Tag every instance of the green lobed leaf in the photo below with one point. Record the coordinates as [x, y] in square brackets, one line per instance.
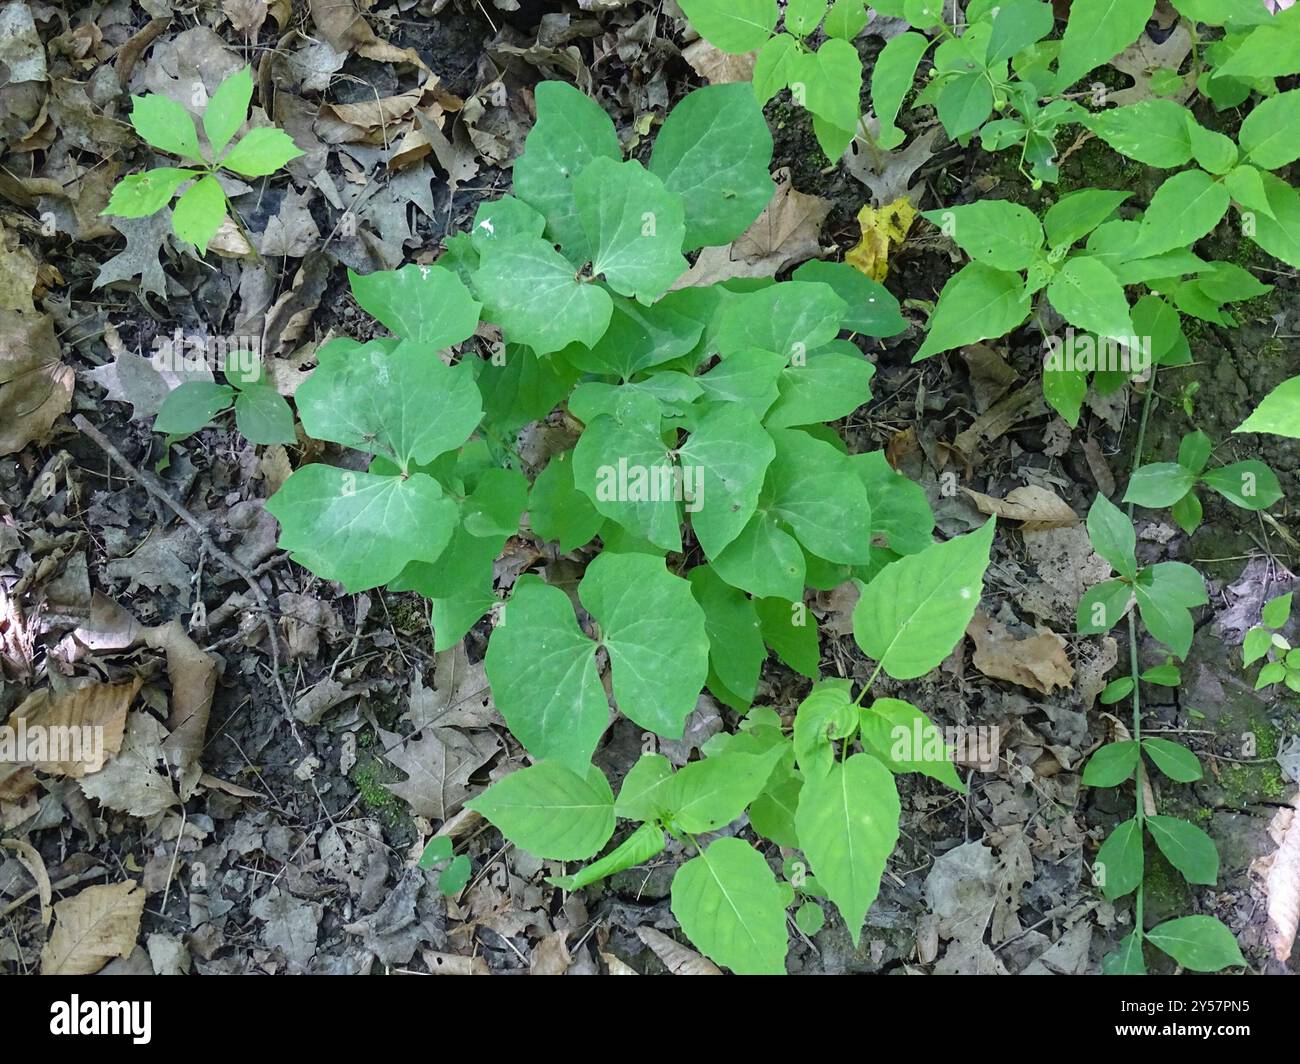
[558, 511]
[910, 617]
[550, 810]
[531, 291]
[847, 822]
[634, 227]
[891, 80]
[790, 318]
[872, 309]
[791, 630]
[736, 649]
[361, 529]
[730, 453]
[764, 560]
[774, 66]
[813, 488]
[714, 150]
[262, 415]
[425, 303]
[571, 130]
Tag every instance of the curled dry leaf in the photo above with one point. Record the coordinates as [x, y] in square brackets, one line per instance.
[93, 927]
[1038, 662]
[1282, 881]
[677, 958]
[30, 859]
[81, 728]
[35, 385]
[193, 675]
[1038, 508]
[716, 66]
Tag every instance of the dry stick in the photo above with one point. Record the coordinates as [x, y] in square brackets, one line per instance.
[151, 485]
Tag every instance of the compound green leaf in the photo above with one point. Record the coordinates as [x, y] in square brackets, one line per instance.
[361, 529]
[262, 415]
[1159, 484]
[425, 303]
[827, 385]
[166, 125]
[190, 406]
[847, 822]
[732, 908]
[634, 225]
[139, 195]
[729, 452]
[1249, 484]
[910, 617]
[1097, 31]
[550, 810]
[260, 152]
[764, 560]
[790, 318]
[1001, 234]
[199, 212]
[227, 109]
[653, 630]
[714, 151]
[1112, 764]
[531, 291]
[1087, 294]
[571, 130]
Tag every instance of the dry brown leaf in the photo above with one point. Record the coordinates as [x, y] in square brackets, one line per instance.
[617, 966]
[1020, 405]
[1282, 883]
[787, 232]
[341, 24]
[1038, 662]
[1037, 507]
[92, 928]
[718, 67]
[551, 955]
[101, 706]
[438, 764]
[193, 674]
[677, 958]
[31, 860]
[35, 385]
[454, 964]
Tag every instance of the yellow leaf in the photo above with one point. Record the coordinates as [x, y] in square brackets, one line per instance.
[883, 229]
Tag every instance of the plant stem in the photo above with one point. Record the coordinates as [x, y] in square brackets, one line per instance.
[1140, 775]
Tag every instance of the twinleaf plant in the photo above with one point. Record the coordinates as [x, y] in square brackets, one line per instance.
[824, 78]
[1265, 640]
[168, 127]
[702, 486]
[262, 415]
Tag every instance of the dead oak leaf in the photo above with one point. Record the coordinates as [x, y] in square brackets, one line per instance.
[1038, 662]
[35, 384]
[93, 927]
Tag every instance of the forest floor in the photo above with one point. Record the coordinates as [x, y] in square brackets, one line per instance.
[283, 833]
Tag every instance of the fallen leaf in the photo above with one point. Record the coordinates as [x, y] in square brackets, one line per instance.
[29, 857]
[131, 782]
[92, 716]
[551, 955]
[888, 174]
[718, 67]
[1038, 662]
[1282, 881]
[883, 230]
[677, 958]
[1036, 507]
[35, 384]
[93, 927]
[438, 765]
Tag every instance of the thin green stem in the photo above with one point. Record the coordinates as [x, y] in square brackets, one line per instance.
[1134, 671]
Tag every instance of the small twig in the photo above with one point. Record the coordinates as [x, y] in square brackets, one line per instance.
[151, 485]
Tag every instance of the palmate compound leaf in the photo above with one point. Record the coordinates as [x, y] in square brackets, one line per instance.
[634, 225]
[534, 294]
[543, 670]
[550, 810]
[813, 488]
[847, 822]
[736, 649]
[714, 150]
[425, 303]
[571, 130]
[731, 907]
[911, 616]
[228, 108]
